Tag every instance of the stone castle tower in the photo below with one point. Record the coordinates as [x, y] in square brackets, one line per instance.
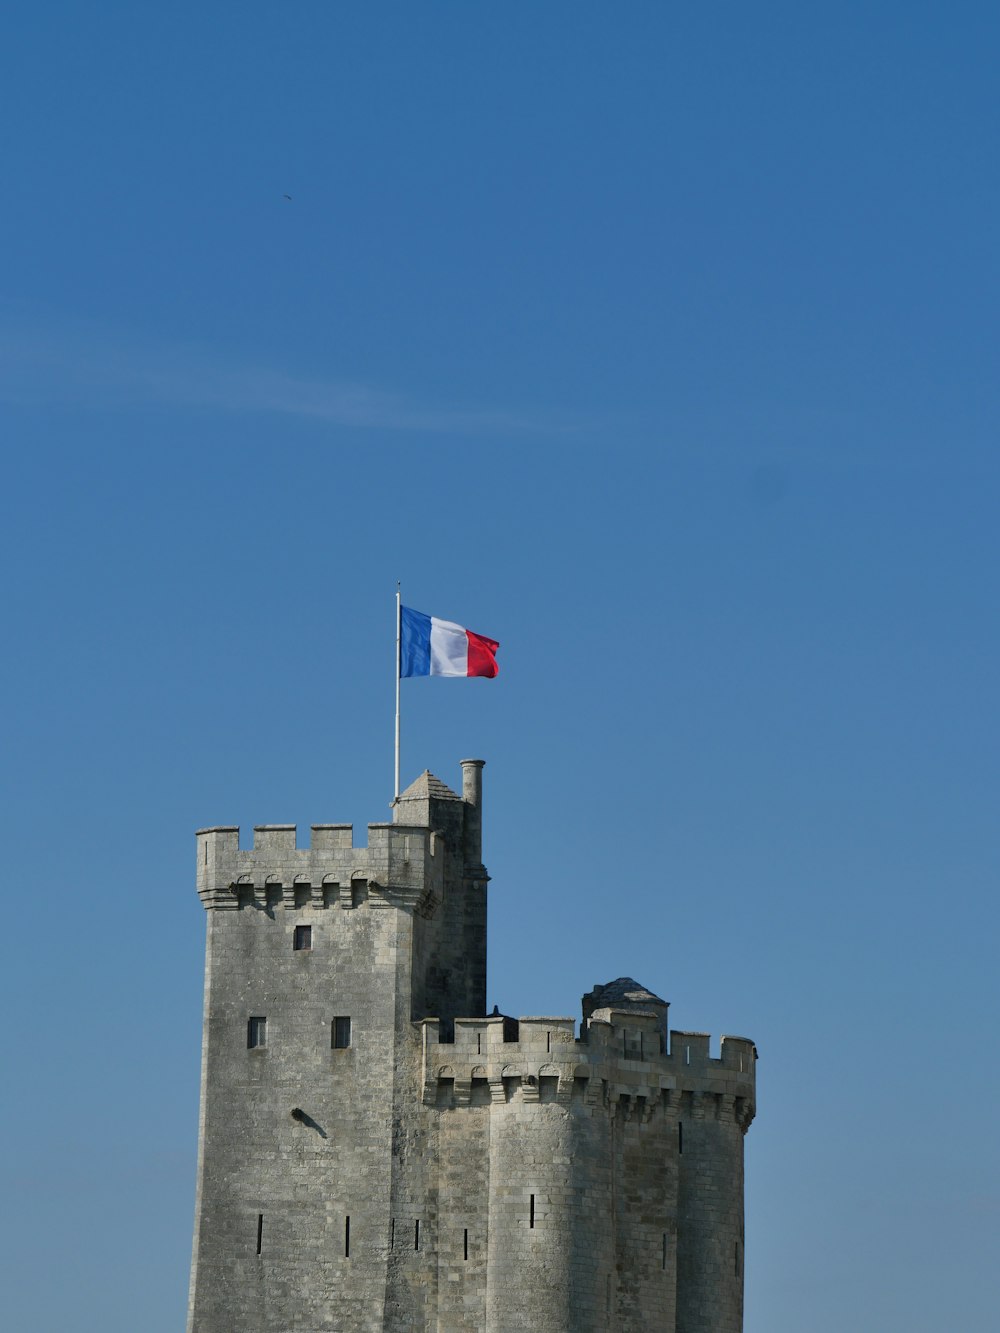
[378, 1153]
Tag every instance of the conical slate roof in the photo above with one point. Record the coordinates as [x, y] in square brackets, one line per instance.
[428, 787]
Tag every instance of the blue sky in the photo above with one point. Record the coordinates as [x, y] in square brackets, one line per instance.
[658, 343]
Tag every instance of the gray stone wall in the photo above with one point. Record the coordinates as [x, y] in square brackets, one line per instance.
[589, 1126]
[710, 1215]
[496, 1174]
[297, 1179]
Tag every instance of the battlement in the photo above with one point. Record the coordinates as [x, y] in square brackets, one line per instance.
[619, 1056]
[404, 864]
[434, 834]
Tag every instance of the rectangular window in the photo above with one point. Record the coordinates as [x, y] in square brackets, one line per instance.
[347, 1238]
[341, 1034]
[416, 1234]
[256, 1032]
[303, 938]
[260, 1232]
[531, 1216]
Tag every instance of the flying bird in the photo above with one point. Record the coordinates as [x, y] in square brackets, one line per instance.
[288, 197]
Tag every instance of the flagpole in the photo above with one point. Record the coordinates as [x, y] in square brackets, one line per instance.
[399, 665]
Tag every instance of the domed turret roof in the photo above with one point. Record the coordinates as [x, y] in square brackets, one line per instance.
[623, 991]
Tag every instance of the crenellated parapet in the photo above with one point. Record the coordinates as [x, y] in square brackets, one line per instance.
[620, 1060]
[435, 838]
[402, 866]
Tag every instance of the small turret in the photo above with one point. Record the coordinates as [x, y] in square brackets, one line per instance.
[472, 795]
[626, 996]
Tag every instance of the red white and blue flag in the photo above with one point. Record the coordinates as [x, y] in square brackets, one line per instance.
[433, 647]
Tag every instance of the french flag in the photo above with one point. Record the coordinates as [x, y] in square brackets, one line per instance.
[433, 647]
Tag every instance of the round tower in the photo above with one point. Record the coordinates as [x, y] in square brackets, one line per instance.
[713, 1114]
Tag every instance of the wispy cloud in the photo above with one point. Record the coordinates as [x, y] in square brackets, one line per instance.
[74, 364]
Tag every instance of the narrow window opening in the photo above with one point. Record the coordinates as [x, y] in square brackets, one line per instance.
[663, 1260]
[680, 1138]
[347, 1237]
[736, 1260]
[416, 1234]
[206, 851]
[303, 937]
[641, 1056]
[531, 1213]
[340, 1034]
[392, 1233]
[256, 1032]
[548, 1041]
[479, 1043]
[466, 1243]
[260, 1231]
[687, 1055]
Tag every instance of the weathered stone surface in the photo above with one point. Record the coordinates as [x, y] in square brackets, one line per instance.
[447, 1170]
